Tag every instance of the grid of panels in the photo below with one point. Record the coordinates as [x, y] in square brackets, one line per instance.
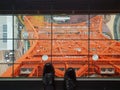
[57, 40]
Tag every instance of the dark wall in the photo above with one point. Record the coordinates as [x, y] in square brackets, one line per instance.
[81, 85]
[65, 5]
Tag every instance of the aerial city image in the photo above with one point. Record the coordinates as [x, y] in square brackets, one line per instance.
[88, 43]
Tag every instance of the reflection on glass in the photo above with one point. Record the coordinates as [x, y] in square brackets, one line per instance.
[70, 26]
[104, 58]
[6, 27]
[89, 44]
[3, 69]
[6, 51]
[32, 27]
[6, 56]
[28, 69]
[32, 48]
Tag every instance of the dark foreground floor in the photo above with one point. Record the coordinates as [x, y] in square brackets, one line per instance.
[82, 84]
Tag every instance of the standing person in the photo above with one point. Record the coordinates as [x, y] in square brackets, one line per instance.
[48, 78]
[70, 79]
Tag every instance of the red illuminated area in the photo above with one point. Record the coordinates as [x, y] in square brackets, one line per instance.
[79, 41]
